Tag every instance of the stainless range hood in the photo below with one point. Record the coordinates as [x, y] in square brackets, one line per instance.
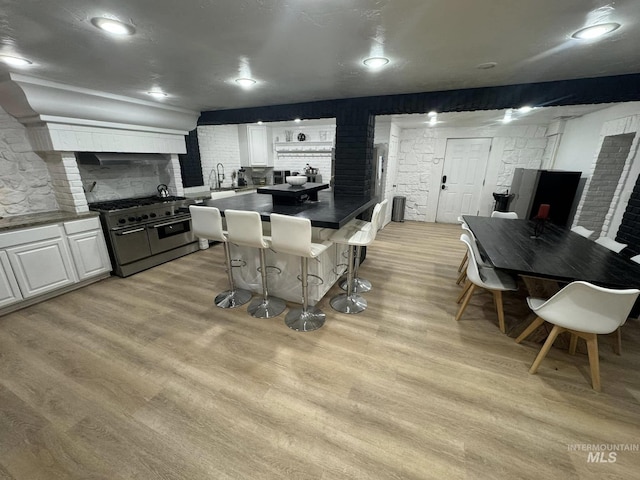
[111, 158]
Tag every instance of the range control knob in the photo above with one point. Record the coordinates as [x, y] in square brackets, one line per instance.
[122, 220]
[132, 219]
[152, 215]
[145, 216]
[167, 212]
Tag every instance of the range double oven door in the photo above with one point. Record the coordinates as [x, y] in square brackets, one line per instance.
[170, 234]
[133, 243]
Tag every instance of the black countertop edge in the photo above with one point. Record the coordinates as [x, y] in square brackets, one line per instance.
[17, 222]
[328, 212]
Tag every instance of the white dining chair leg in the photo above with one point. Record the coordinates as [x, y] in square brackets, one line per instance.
[464, 291]
[573, 343]
[617, 343]
[530, 329]
[472, 287]
[462, 277]
[464, 261]
[497, 297]
[555, 331]
[594, 361]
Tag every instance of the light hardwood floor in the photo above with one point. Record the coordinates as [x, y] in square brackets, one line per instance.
[143, 378]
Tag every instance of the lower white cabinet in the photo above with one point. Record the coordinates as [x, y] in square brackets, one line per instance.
[9, 290]
[40, 267]
[88, 247]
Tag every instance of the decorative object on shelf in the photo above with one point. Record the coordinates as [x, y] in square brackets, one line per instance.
[288, 135]
[302, 137]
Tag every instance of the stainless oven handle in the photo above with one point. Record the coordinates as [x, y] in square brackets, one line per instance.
[166, 224]
[130, 231]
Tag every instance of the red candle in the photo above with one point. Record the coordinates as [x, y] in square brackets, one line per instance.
[543, 211]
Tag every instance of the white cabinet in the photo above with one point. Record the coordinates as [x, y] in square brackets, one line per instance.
[44, 265]
[88, 247]
[255, 150]
[9, 291]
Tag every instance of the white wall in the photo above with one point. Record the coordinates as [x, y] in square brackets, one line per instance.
[25, 183]
[580, 142]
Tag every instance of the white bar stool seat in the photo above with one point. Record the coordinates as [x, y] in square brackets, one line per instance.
[354, 237]
[245, 228]
[207, 223]
[292, 235]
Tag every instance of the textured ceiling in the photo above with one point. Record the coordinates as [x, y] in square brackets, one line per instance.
[304, 50]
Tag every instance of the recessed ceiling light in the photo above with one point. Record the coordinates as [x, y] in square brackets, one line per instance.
[15, 61]
[525, 109]
[375, 62]
[113, 26]
[486, 66]
[297, 120]
[595, 31]
[432, 113]
[245, 82]
[157, 94]
[260, 122]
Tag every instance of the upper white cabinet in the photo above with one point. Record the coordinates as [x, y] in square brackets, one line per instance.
[255, 146]
[42, 261]
[88, 247]
[9, 290]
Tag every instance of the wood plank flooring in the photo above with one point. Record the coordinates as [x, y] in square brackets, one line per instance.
[144, 378]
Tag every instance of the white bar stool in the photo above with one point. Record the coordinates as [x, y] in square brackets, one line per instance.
[362, 285]
[354, 237]
[207, 223]
[245, 228]
[292, 235]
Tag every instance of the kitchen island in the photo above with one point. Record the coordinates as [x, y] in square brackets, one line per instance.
[327, 214]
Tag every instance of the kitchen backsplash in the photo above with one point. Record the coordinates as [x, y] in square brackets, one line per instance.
[25, 184]
[122, 181]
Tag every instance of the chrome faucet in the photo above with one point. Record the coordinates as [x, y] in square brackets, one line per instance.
[219, 176]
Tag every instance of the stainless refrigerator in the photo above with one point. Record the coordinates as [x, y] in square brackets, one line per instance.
[556, 188]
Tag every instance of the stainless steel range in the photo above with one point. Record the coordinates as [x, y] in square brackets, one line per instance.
[145, 232]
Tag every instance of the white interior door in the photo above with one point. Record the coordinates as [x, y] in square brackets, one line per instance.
[465, 164]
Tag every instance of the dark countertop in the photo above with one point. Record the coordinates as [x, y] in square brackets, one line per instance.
[16, 222]
[328, 212]
[292, 190]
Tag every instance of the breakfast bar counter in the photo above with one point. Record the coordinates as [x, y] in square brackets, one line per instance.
[327, 214]
[328, 211]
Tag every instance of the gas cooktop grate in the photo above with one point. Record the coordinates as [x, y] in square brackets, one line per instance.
[124, 203]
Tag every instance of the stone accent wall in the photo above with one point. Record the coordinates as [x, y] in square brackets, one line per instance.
[25, 184]
[421, 158]
[604, 181]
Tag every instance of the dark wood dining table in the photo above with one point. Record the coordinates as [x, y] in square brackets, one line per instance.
[556, 254]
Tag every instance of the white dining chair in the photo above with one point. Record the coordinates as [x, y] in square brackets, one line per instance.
[585, 232]
[611, 244]
[463, 263]
[511, 215]
[495, 281]
[635, 259]
[584, 310]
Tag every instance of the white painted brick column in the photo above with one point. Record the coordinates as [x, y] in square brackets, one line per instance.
[66, 181]
[173, 171]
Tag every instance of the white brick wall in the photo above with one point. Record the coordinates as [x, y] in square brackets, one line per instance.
[218, 144]
[421, 158]
[25, 184]
[67, 182]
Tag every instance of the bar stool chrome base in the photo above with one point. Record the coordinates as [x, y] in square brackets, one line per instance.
[345, 303]
[359, 285]
[266, 308]
[233, 298]
[302, 321]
